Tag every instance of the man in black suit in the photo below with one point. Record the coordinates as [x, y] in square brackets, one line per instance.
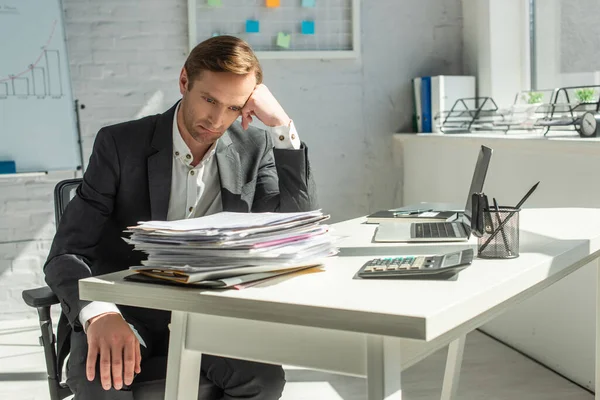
[193, 160]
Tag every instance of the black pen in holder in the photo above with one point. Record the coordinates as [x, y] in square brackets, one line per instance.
[503, 237]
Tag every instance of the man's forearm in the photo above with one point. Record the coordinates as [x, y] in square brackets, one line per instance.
[297, 190]
[63, 273]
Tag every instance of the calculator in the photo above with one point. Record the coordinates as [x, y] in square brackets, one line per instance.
[439, 266]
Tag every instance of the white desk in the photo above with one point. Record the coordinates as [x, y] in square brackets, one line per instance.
[372, 329]
[565, 168]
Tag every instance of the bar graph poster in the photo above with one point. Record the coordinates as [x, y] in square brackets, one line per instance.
[38, 127]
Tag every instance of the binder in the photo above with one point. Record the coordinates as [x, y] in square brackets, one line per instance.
[417, 116]
[426, 104]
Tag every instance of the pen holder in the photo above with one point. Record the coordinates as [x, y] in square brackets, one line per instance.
[505, 242]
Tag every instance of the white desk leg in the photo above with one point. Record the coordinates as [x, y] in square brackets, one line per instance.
[453, 363]
[183, 365]
[383, 369]
[597, 383]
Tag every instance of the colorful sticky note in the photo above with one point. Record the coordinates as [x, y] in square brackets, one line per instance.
[308, 27]
[214, 3]
[252, 26]
[308, 3]
[273, 3]
[284, 40]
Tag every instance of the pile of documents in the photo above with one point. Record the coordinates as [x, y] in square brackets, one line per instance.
[227, 249]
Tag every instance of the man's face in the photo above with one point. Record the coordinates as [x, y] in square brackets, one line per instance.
[213, 102]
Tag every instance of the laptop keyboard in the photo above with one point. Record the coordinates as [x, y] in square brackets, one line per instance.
[438, 230]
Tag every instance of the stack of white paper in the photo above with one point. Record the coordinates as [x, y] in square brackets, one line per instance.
[230, 244]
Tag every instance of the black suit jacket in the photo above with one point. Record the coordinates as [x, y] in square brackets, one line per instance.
[128, 179]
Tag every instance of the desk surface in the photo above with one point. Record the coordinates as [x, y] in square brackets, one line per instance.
[554, 242]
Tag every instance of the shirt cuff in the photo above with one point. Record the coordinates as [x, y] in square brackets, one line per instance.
[94, 309]
[285, 137]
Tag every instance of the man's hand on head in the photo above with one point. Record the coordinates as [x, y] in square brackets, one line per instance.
[110, 338]
[263, 105]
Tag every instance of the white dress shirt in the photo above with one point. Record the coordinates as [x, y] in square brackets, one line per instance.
[195, 192]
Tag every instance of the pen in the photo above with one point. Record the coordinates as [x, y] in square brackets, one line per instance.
[413, 212]
[502, 229]
[518, 206]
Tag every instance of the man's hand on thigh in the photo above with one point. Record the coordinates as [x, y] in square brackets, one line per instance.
[111, 340]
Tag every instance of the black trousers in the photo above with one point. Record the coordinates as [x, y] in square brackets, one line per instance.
[220, 378]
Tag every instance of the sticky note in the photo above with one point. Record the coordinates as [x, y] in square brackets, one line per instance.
[252, 26]
[214, 3]
[273, 3]
[308, 3]
[308, 27]
[215, 34]
[284, 40]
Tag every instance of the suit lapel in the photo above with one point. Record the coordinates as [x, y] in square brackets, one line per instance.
[160, 166]
[230, 173]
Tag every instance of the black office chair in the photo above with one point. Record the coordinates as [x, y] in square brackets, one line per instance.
[42, 299]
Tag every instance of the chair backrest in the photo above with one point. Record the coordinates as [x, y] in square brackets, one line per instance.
[64, 191]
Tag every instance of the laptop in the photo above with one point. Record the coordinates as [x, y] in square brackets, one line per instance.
[457, 230]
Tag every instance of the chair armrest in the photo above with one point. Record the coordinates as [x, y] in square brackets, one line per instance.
[39, 297]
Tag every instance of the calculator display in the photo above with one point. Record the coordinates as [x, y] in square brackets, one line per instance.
[451, 259]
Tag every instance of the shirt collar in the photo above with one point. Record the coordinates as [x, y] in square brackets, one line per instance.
[181, 151]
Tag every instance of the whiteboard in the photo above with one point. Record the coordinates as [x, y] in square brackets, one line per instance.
[38, 124]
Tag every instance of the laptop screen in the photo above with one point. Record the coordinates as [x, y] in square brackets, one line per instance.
[483, 161]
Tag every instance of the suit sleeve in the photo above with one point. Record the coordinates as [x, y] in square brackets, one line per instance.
[285, 181]
[80, 228]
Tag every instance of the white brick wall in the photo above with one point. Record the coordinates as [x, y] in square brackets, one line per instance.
[122, 51]
[26, 230]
